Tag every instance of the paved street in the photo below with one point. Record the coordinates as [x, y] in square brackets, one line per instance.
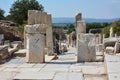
[63, 68]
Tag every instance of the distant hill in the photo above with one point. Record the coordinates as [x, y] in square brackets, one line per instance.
[88, 20]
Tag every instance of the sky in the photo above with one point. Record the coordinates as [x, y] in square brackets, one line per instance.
[102, 9]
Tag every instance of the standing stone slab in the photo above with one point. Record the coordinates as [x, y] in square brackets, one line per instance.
[78, 17]
[81, 26]
[31, 16]
[86, 48]
[37, 17]
[49, 36]
[35, 43]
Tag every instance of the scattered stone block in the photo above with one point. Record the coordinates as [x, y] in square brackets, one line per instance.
[4, 52]
[14, 49]
[117, 48]
[109, 50]
[20, 53]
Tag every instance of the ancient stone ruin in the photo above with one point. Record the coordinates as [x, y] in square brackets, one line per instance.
[38, 36]
[86, 50]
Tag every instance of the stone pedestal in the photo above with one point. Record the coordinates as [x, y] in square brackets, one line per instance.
[35, 36]
[86, 48]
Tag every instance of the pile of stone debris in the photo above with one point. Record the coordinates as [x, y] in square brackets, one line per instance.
[10, 30]
[8, 49]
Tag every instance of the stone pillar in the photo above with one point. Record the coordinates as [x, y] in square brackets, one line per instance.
[85, 42]
[115, 35]
[97, 38]
[35, 35]
[71, 39]
[81, 27]
[100, 39]
[86, 48]
[103, 38]
[24, 39]
[78, 17]
[49, 36]
[68, 41]
[111, 32]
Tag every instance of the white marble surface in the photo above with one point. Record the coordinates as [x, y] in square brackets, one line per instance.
[35, 75]
[113, 66]
[64, 68]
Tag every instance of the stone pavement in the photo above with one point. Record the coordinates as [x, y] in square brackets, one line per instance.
[113, 66]
[63, 68]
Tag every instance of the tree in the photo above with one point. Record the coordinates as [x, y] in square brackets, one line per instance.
[116, 28]
[95, 25]
[71, 28]
[2, 14]
[19, 10]
[106, 31]
[56, 35]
